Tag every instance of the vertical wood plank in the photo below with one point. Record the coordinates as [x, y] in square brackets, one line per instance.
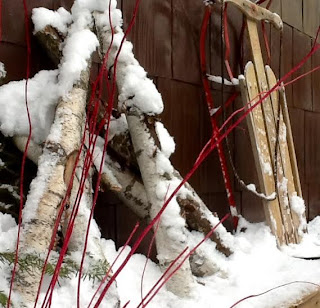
[16, 70]
[186, 26]
[275, 50]
[275, 7]
[234, 17]
[13, 23]
[302, 91]
[151, 35]
[210, 171]
[292, 13]
[312, 155]
[298, 132]
[311, 16]
[314, 201]
[316, 82]
[287, 58]
[67, 4]
[252, 207]
[216, 55]
[181, 118]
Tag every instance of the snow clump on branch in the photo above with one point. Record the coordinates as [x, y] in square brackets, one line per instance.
[46, 87]
[59, 19]
[42, 99]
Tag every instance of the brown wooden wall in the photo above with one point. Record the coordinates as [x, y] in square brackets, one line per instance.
[166, 39]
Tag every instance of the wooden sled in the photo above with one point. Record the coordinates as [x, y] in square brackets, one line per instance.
[285, 218]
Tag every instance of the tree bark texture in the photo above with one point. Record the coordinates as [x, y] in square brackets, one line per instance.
[37, 227]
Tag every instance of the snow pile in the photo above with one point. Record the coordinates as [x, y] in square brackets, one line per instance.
[167, 143]
[256, 266]
[60, 19]
[46, 87]
[117, 126]
[8, 233]
[220, 80]
[253, 189]
[76, 52]
[3, 71]
[298, 206]
[135, 88]
[42, 100]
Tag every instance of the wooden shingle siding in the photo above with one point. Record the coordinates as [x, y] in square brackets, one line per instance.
[297, 119]
[316, 82]
[186, 25]
[292, 13]
[302, 91]
[286, 58]
[311, 17]
[312, 152]
[151, 35]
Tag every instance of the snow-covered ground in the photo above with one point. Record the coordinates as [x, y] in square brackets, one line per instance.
[255, 267]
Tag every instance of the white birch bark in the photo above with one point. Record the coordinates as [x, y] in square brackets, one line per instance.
[171, 235]
[49, 187]
[94, 252]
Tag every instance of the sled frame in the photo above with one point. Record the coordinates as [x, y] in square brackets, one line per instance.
[285, 223]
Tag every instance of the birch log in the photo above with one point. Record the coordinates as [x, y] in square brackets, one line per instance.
[49, 187]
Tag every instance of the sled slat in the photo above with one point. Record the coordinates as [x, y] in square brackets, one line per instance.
[310, 301]
[284, 157]
[261, 153]
[292, 153]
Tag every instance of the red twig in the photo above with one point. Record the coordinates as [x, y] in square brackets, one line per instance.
[214, 125]
[180, 264]
[109, 110]
[0, 20]
[28, 42]
[227, 41]
[149, 251]
[272, 289]
[114, 262]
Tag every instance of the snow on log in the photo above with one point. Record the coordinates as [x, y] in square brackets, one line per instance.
[49, 187]
[3, 73]
[56, 163]
[171, 237]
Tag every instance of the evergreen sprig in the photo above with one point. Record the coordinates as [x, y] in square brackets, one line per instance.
[29, 262]
[3, 299]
